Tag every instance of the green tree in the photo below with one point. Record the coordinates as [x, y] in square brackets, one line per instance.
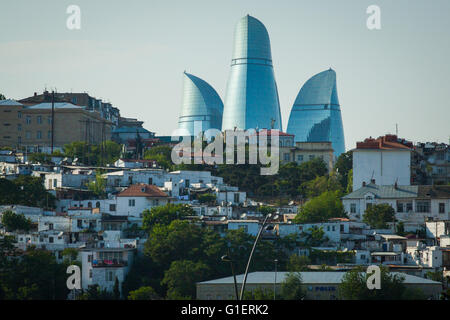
[319, 185]
[98, 186]
[2, 97]
[319, 209]
[343, 169]
[181, 278]
[206, 198]
[291, 287]
[354, 287]
[27, 191]
[165, 215]
[298, 263]
[265, 210]
[70, 254]
[95, 293]
[92, 154]
[258, 294]
[14, 222]
[143, 293]
[378, 215]
[162, 155]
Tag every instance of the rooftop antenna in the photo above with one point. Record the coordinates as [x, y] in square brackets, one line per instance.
[396, 129]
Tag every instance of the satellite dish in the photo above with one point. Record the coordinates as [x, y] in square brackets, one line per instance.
[61, 234]
[223, 218]
[243, 216]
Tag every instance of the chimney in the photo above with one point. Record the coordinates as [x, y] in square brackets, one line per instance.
[35, 94]
[372, 181]
[395, 185]
[364, 184]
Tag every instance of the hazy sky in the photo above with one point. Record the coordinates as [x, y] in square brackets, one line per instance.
[133, 53]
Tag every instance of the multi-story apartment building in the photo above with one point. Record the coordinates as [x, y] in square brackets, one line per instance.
[306, 151]
[430, 163]
[30, 127]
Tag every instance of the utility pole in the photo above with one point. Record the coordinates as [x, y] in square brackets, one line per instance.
[53, 119]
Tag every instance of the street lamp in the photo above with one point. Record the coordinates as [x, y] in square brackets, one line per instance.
[253, 250]
[226, 258]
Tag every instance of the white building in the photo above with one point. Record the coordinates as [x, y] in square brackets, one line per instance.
[386, 160]
[412, 204]
[136, 198]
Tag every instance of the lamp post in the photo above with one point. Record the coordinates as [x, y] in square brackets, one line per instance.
[251, 253]
[227, 258]
[275, 281]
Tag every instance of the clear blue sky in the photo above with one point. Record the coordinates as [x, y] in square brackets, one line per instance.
[133, 53]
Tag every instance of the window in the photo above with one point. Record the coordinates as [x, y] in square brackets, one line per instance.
[109, 276]
[50, 226]
[97, 204]
[39, 119]
[19, 127]
[353, 208]
[156, 202]
[19, 139]
[399, 207]
[131, 202]
[39, 135]
[423, 206]
[150, 180]
[112, 207]
[19, 114]
[300, 158]
[89, 258]
[7, 124]
[236, 198]
[55, 183]
[90, 273]
[333, 228]
[441, 207]
[49, 134]
[409, 207]
[287, 157]
[311, 157]
[80, 223]
[28, 135]
[49, 120]
[342, 228]
[50, 240]
[28, 119]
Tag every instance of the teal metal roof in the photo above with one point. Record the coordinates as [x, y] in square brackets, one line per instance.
[311, 277]
[384, 192]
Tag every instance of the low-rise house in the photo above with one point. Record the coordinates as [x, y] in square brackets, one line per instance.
[136, 198]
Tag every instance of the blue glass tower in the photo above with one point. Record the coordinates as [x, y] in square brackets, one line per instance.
[251, 99]
[316, 113]
[200, 103]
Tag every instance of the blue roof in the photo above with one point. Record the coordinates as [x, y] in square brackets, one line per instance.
[10, 102]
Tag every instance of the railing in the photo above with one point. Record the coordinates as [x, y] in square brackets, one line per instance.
[109, 263]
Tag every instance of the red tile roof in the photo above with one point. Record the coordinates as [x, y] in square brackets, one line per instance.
[387, 142]
[143, 190]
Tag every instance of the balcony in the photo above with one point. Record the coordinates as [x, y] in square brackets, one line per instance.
[114, 263]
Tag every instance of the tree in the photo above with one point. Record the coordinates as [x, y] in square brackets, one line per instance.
[291, 287]
[258, 294]
[206, 198]
[34, 275]
[27, 191]
[319, 185]
[265, 210]
[165, 215]
[162, 155]
[2, 97]
[315, 236]
[143, 293]
[70, 254]
[98, 187]
[354, 287]
[344, 169]
[298, 263]
[95, 293]
[13, 222]
[93, 154]
[378, 215]
[319, 209]
[181, 278]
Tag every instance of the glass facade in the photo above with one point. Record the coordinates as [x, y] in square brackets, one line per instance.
[251, 99]
[200, 103]
[316, 113]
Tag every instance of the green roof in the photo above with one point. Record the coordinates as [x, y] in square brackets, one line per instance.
[384, 192]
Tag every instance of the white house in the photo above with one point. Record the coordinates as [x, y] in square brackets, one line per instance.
[412, 204]
[138, 197]
[386, 160]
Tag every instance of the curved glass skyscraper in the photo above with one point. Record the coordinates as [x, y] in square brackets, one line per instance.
[200, 103]
[251, 99]
[316, 113]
